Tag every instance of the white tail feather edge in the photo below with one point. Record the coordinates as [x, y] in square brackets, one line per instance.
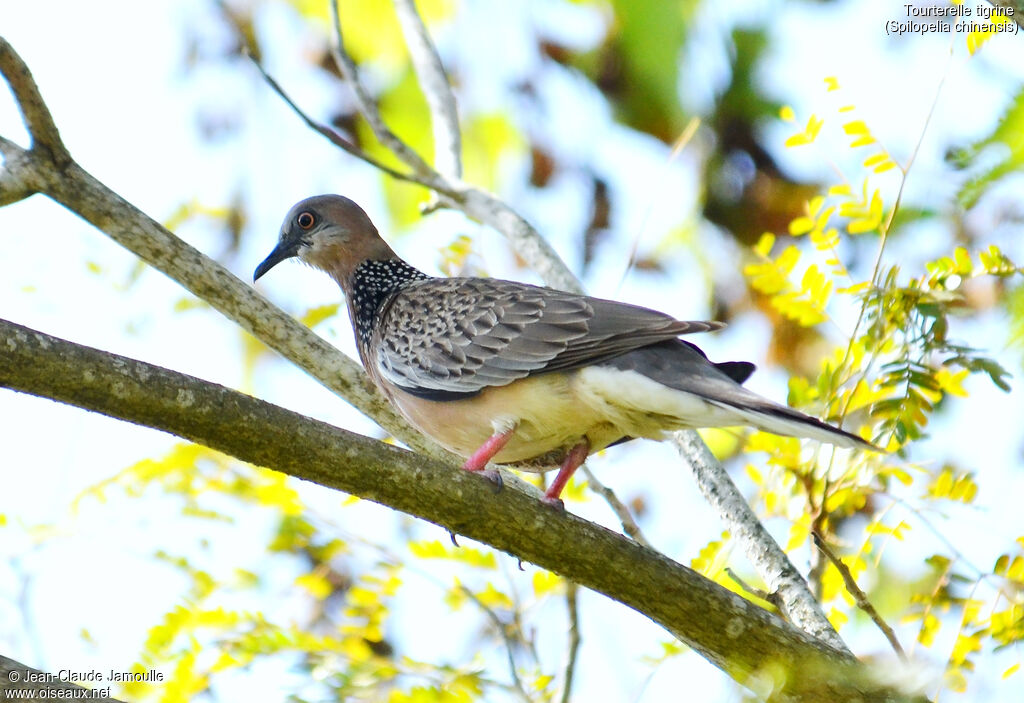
[789, 427]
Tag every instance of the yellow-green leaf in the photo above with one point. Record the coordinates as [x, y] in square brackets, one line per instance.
[801, 225]
[754, 474]
[493, 598]
[314, 316]
[764, 244]
[977, 38]
[799, 532]
[544, 582]
[810, 133]
[837, 617]
[930, 627]
[950, 382]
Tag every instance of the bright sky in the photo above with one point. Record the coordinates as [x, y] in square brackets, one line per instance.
[112, 75]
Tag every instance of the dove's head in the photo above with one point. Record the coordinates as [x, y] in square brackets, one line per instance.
[328, 232]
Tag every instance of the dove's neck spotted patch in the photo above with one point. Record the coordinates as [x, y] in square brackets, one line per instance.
[373, 282]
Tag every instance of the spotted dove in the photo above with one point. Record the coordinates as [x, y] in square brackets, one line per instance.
[519, 374]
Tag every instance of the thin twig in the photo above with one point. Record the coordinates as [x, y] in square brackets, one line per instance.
[572, 592]
[859, 596]
[444, 117]
[884, 230]
[38, 120]
[958, 555]
[658, 196]
[527, 635]
[752, 590]
[368, 106]
[333, 136]
[773, 598]
[503, 631]
[621, 510]
[16, 174]
[474, 202]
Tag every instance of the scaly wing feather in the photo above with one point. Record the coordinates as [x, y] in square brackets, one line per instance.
[449, 338]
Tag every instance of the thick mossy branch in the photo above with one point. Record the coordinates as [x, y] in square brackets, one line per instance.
[747, 642]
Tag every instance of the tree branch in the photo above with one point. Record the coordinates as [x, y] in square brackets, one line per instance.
[620, 509]
[78, 191]
[37, 117]
[367, 106]
[732, 633]
[502, 629]
[860, 597]
[772, 564]
[476, 203]
[444, 117]
[16, 174]
[572, 593]
[333, 136]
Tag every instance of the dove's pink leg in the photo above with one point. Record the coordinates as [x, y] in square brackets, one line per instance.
[573, 460]
[487, 450]
[477, 463]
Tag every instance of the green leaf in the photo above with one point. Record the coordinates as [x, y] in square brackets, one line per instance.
[649, 41]
[1008, 140]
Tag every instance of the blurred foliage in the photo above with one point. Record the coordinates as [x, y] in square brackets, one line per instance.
[890, 374]
[335, 619]
[747, 191]
[997, 156]
[637, 66]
